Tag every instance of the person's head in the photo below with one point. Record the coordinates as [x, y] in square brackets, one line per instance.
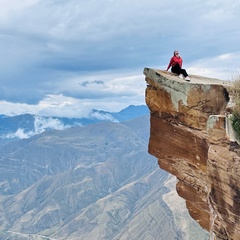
[175, 53]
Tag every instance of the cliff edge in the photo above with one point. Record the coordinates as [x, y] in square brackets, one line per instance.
[190, 137]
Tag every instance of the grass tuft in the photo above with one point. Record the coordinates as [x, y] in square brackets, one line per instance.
[235, 118]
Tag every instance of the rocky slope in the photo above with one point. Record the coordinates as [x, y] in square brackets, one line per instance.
[189, 136]
[91, 182]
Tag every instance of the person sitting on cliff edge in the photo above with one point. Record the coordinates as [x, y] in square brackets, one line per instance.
[176, 66]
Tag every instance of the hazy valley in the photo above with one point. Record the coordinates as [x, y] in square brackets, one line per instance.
[89, 182]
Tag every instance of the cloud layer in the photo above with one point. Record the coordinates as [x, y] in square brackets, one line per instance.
[93, 52]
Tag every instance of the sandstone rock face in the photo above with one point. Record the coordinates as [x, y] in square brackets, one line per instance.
[188, 136]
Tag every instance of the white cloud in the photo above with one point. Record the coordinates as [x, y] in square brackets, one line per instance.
[101, 116]
[52, 105]
[224, 66]
[20, 133]
[112, 84]
[41, 124]
[117, 93]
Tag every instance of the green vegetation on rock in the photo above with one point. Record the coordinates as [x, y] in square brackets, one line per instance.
[235, 118]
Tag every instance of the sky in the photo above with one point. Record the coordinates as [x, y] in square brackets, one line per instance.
[64, 58]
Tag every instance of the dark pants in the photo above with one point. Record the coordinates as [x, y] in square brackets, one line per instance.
[178, 70]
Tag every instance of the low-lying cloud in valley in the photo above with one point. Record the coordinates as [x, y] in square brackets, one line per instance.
[41, 124]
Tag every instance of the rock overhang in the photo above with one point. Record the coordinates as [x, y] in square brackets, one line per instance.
[188, 135]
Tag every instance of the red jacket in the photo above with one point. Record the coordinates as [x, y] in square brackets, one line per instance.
[175, 60]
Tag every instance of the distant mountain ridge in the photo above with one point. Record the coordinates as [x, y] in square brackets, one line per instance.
[27, 125]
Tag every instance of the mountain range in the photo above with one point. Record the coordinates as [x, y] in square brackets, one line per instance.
[95, 181]
[27, 125]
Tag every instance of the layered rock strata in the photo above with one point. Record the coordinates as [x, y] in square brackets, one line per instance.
[188, 136]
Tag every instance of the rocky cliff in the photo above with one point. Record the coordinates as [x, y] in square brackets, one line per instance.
[189, 136]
